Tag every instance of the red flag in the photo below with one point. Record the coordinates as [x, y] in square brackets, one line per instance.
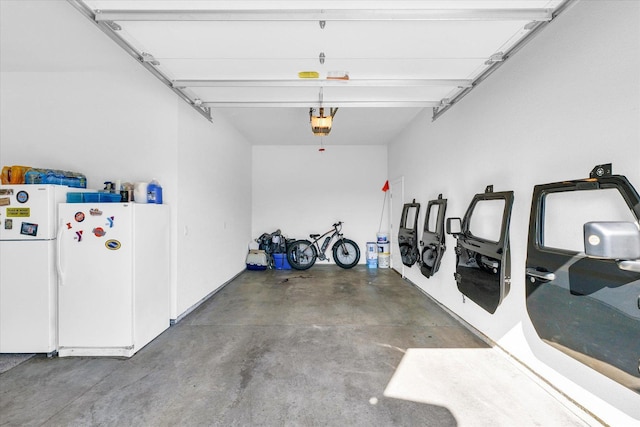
[385, 188]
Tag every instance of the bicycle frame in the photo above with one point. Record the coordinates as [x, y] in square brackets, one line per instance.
[321, 249]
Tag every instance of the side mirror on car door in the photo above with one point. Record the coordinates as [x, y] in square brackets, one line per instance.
[614, 240]
[454, 226]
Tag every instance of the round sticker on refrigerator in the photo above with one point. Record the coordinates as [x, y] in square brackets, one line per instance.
[79, 216]
[112, 245]
[22, 196]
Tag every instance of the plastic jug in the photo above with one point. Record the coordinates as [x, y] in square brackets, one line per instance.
[140, 192]
[154, 193]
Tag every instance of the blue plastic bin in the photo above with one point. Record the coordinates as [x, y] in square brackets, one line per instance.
[109, 197]
[280, 262]
[90, 197]
[74, 198]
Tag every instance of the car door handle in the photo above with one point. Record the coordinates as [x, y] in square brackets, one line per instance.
[629, 266]
[543, 275]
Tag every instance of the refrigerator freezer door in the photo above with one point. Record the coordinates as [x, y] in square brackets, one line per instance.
[27, 212]
[27, 297]
[96, 272]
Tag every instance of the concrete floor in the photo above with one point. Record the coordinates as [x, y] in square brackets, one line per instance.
[283, 348]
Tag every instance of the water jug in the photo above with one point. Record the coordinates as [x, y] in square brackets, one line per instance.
[140, 192]
[154, 193]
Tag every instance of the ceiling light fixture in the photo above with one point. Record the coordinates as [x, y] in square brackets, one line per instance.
[321, 124]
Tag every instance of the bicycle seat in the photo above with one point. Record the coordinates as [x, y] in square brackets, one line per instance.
[313, 236]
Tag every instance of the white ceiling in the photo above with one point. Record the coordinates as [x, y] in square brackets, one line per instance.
[241, 59]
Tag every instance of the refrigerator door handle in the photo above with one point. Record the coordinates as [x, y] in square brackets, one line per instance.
[59, 252]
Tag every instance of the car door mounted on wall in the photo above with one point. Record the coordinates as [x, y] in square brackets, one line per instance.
[583, 272]
[408, 233]
[432, 242]
[483, 260]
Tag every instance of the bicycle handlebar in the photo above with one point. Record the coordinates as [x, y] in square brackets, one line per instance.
[337, 224]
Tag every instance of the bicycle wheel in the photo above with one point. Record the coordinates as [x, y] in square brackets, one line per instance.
[346, 253]
[301, 254]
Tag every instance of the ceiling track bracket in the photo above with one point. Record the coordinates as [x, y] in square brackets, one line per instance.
[114, 26]
[147, 57]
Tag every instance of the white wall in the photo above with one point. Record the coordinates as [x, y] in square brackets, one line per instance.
[85, 105]
[214, 206]
[568, 101]
[301, 190]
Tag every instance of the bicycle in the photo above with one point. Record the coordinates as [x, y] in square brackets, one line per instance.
[302, 254]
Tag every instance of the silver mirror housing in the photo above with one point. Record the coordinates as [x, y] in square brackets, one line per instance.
[454, 226]
[612, 240]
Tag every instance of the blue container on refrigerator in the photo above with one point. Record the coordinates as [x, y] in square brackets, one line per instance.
[154, 193]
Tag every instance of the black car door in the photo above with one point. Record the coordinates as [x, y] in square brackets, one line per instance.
[408, 234]
[582, 272]
[432, 242]
[483, 261]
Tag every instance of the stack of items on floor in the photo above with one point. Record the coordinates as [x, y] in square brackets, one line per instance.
[379, 252]
[268, 251]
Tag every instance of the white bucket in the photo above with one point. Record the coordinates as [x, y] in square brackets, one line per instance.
[384, 260]
[383, 237]
[372, 250]
[384, 248]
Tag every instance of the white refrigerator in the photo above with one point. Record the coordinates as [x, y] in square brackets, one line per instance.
[28, 281]
[114, 277]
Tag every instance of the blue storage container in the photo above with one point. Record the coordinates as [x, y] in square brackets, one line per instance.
[74, 198]
[257, 260]
[109, 197]
[280, 262]
[90, 197]
[154, 193]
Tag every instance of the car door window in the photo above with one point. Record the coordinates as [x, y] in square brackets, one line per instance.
[486, 221]
[432, 218]
[587, 306]
[566, 212]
